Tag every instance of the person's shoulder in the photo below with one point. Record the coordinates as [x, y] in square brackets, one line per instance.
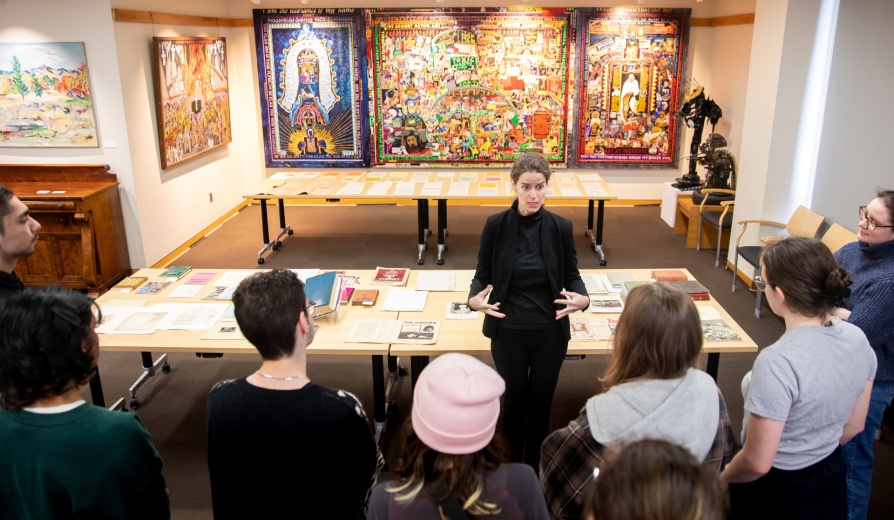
[224, 388]
[341, 400]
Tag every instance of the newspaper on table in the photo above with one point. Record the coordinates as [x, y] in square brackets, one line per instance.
[583, 329]
[395, 331]
[132, 320]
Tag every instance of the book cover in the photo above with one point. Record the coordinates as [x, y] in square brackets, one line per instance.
[131, 282]
[606, 303]
[320, 290]
[630, 284]
[718, 330]
[460, 311]
[175, 271]
[617, 278]
[583, 329]
[669, 275]
[391, 275]
[221, 292]
[593, 283]
[346, 295]
[365, 297]
[693, 288]
[152, 287]
[200, 278]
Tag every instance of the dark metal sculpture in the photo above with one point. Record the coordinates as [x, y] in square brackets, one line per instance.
[696, 108]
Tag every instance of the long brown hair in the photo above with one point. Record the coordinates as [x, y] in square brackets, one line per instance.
[424, 472]
[659, 336]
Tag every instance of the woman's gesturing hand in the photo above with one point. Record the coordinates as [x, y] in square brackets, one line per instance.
[573, 302]
[479, 303]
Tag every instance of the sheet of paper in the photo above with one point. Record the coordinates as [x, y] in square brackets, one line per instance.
[432, 189]
[371, 331]
[444, 176]
[594, 189]
[351, 188]
[307, 175]
[468, 177]
[706, 312]
[420, 176]
[589, 329]
[459, 311]
[304, 274]
[132, 320]
[193, 316]
[281, 176]
[415, 332]
[185, 291]
[233, 277]
[379, 188]
[569, 190]
[224, 330]
[589, 177]
[405, 188]
[404, 300]
[435, 281]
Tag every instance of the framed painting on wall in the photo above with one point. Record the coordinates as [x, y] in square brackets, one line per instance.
[631, 61]
[463, 87]
[45, 96]
[192, 97]
[312, 86]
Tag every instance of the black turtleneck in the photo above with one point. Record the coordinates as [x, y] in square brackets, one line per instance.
[529, 304]
[10, 285]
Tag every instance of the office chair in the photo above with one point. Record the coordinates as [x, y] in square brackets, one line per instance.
[716, 219]
[803, 223]
[837, 236]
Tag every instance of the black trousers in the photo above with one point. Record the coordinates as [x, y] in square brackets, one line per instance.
[529, 361]
[817, 492]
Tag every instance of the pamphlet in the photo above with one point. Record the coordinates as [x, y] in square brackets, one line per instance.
[606, 303]
[589, 329]
[460, 311]
[395, 331]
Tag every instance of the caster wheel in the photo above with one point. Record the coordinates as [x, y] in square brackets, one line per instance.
[593, 248]
[260, 260]
[166, 368]
[402, 371]
[441, 262]
[274, 247]
[279, 243]
[134, 403]
[291, 232]
[421, 261]
[602, 262]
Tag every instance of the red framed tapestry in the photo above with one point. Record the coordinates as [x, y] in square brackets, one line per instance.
[631, 62]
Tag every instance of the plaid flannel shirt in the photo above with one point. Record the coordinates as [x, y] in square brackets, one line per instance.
[569, 455]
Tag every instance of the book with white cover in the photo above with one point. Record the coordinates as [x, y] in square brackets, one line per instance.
[594, 283]
[610, 303]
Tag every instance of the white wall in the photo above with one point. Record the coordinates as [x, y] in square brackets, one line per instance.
[163, 209]
[853, 158]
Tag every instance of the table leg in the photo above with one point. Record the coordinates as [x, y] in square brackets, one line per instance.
[422, 220]
[442, 229]
[379, 404]
[148, 371]
[417, 364]
[265, 234]
[283, 228]
[713, 364]
[596, 239]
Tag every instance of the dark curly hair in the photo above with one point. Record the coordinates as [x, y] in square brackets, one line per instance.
[807, 273]
[46, 343]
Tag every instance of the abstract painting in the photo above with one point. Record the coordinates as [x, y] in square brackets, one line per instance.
[192, 97]
[631, 61]
[45, 96]
[312, 87]
[469, 87]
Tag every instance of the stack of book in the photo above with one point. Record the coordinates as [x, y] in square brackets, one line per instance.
[693, 288]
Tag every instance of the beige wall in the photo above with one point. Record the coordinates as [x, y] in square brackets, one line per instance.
[163, 209]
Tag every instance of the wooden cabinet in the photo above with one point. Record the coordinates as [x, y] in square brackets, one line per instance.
[82, 244]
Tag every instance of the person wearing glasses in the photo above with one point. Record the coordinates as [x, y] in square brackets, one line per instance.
[61, 457]
[276, 441]
[527, 283]
[870, 261]
[805, 397]
[651, 390]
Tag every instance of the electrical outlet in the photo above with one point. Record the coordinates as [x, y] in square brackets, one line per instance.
[210, 197]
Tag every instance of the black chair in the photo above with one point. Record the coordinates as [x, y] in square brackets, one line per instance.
[719, 220]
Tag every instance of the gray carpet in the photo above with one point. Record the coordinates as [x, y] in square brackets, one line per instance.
[173, 405]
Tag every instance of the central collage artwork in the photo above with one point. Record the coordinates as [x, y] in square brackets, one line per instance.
[470, 87]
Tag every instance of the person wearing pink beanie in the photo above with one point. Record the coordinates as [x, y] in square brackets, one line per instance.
[452, 463]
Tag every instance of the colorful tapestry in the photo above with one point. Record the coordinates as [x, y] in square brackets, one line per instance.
[463, 87]
[631, 61]
[45, 96]
[312, 83]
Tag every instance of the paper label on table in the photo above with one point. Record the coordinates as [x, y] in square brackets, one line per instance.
[307, 175]
[279, 176]
[594, 189]
[706, 312]
[588, 177]
[351, 188]
[405, 300]
[436, 281]
[185, 291]
[132, 320]
[468, 177]
[459, 189]
[493, 177]
[193, 316]
[420, 177]
[432, 189]
[569, 190]
[589, 329]
[405, 188]
[380, 188]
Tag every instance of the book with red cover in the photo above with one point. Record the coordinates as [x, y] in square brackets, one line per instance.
[391, 276]
[693, 288]
[669, 275]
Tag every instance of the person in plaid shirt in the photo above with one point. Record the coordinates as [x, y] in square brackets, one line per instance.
[651, 390]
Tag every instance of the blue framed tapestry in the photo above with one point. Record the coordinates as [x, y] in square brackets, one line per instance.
[311, 68]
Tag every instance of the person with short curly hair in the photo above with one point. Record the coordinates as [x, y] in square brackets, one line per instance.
[61, 457]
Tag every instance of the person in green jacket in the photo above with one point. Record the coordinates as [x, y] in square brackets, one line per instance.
[59, 456]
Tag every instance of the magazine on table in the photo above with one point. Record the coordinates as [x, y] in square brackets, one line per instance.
[583, 329]
[395, 331]
[611, 303]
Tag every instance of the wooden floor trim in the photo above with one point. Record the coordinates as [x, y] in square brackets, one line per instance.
[201, 234]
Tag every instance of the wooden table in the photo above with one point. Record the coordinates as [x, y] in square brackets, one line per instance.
[687, 223]
[481, 188]
[466, 336]
[329, 339]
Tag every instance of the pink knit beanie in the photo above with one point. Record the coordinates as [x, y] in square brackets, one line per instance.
[456, 404]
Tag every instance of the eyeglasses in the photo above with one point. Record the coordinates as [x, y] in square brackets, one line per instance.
[871, 223]
[310, 308]
[759, 283]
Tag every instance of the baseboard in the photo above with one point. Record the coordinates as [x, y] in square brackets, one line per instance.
[742, 276]
[199, 236]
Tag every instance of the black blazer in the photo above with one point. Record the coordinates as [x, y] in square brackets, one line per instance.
[496, 257]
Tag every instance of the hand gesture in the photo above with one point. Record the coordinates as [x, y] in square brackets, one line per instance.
[572, 302]
[479, 303]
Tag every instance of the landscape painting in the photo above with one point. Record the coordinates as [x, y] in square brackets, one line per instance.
[192, 97]
[45, 96]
